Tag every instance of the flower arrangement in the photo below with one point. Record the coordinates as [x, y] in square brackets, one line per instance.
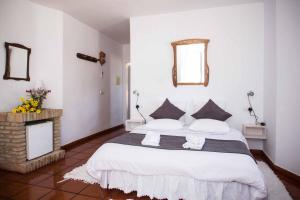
[34, 103]
[39, 95]
[29, 105]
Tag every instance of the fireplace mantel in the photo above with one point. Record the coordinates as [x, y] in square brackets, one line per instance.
[27, 117]
[13, 140]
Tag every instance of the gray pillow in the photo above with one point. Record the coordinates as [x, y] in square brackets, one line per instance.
[211, 111]
[167, 111]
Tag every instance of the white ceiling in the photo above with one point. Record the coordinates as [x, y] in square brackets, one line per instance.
[111, 17]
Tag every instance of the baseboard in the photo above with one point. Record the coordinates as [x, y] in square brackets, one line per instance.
[82, 140]
[290, 175]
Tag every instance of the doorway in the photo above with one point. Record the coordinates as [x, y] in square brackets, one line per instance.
[127, 91]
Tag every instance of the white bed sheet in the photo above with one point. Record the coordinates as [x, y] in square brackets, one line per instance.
[174, 174]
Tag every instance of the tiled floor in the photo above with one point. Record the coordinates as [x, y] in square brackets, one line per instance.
[43, 183]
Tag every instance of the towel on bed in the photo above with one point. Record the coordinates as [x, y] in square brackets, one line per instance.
[194, 142]
[151, 139]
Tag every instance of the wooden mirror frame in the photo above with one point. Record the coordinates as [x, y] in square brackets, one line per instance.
[174, 70]
[6, 75]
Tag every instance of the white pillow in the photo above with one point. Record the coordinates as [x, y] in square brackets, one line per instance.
[164, 124]
[210, 125]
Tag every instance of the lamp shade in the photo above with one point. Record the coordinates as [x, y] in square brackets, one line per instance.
[39, 84]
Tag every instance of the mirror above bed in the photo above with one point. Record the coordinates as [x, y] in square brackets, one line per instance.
[190, 62]
[17, 62]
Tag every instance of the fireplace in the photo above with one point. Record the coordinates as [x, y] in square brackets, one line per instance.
[25, 144]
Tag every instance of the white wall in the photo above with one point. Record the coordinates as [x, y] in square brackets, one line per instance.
[55, 38]
[235, 56]
[86, 111]
[40, 29]
[282, 83]
[270, 77]
[288, 83]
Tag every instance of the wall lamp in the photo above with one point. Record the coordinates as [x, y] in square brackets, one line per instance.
[137, 106]
[251, 110]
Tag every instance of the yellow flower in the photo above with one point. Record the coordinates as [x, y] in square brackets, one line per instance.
[14, 110]
[22, 99]
[38, 111]
[27, 106]
[35, 103]
[31, 99]
[26, 102]
[32, 109]
[19, 109]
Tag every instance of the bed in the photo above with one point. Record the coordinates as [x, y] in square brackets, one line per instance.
[194, 175]
[178, 173]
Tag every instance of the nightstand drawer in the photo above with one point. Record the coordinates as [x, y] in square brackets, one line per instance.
[130, 124]
[252, 131]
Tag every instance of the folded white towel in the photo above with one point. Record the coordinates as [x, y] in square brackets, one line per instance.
[189, 145]
[194, 142]
[151, 139]
[195, 139]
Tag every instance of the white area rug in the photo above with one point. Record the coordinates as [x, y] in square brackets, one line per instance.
[276, 189]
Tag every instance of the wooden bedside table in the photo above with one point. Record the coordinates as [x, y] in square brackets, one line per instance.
[252, 131]
[130, 124]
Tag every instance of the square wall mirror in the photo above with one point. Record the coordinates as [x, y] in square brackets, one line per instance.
[17, 62]
[190, 62]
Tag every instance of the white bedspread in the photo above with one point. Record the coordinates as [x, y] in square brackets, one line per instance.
[174, 174]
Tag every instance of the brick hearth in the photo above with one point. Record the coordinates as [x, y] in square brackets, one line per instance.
[13, 140]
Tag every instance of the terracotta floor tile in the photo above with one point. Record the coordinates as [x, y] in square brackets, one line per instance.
[52, 182]
[78, 148]
[68, 169]
[94, 190]
[86, 145]
[84, 161]
[82, 156]
[90, 151]
[96, 144]
[68, 161]
[53, 168]
[8, 189]
[12, 176]
[58, 195]
[69, 154]
[33, 178]
[93, 148]
[97, 140]
[72, 186]
[31, 193]
[81, 197]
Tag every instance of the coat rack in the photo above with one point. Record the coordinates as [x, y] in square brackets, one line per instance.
[101, 59]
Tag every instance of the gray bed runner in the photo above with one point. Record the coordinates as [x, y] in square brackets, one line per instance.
[176, 142]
